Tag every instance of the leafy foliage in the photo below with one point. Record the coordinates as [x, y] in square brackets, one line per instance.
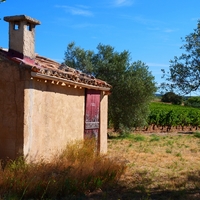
[173, 115]
[133, 85]
[184, 71]
[193, 102]
[171, 97]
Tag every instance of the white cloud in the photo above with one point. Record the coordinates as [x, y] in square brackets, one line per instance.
[84, 25]
[165, 30]
[153, 28]
[143, 20]
[77, 10]
[168, 30]
[120, 3]
[195, 19]
[90, 25]
[157, 65]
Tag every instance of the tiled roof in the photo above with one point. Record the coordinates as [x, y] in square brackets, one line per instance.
[50, 70]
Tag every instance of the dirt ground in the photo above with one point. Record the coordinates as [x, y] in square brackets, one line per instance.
[167, 129]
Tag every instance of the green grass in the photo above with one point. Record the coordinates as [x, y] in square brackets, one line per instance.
[129, 136]
[197, 134]
[154, 138]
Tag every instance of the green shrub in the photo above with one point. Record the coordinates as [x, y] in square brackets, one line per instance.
[193, 102]
[171, 97]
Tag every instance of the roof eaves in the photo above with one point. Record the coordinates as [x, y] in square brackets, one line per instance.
[68, 82]
[69, 76]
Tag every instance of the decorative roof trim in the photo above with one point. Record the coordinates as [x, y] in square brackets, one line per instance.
[69, 82]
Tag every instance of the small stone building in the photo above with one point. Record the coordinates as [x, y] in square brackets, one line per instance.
[45, 105]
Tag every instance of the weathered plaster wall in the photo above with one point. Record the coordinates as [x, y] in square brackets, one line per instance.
[11, 109]
[103, 123]
[22, 40]
[54, 116]
[38, 118]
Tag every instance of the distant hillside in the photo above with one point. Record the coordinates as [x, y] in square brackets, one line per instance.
[158, 95]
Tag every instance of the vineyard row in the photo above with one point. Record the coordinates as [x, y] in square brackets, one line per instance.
[162, 115]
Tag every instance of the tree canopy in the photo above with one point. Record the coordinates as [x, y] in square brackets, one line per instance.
[133, 85]
[171, 97]
[184, 71]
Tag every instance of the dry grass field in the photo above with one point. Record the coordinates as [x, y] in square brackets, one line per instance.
[159, 166]
[74, 174]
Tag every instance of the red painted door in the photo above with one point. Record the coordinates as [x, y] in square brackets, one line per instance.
[92, 108]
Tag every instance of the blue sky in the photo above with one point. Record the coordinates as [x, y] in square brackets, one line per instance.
[150, 30]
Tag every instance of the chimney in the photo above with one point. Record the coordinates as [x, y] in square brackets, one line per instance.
[22, 37]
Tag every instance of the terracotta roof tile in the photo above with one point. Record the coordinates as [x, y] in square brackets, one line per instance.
[52, 70]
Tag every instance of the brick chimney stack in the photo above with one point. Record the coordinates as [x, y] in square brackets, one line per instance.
[22, 37]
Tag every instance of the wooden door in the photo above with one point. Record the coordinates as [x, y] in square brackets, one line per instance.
[92, 115]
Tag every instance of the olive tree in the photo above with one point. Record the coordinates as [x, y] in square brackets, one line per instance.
[133, 85]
